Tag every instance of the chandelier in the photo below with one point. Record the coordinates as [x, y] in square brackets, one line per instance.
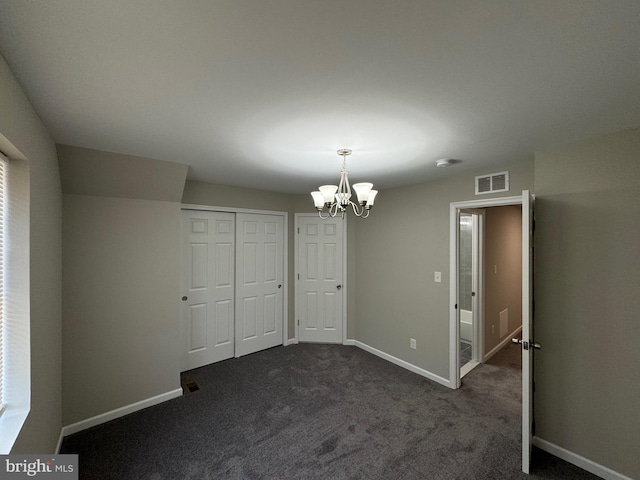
[338, 199]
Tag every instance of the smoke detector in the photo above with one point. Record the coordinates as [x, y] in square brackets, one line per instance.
[444, 162]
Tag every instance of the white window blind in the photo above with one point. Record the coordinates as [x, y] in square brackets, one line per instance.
[15, 343]
[2, 275]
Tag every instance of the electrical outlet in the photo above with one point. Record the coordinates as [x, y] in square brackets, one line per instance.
[437, 277]
[412, 343]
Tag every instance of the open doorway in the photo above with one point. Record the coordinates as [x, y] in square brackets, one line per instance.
[489, 259]
[489, 282]
[525, 203]
[494, 320]
[502, 277]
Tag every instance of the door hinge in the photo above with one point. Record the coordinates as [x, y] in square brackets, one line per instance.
[298, 322]
[298, 230]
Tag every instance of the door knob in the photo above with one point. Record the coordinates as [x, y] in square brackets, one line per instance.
[526, 344]
[184, 299]
[280, 286]
[339, 287]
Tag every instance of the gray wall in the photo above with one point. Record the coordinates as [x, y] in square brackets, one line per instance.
[22, 130]
[121, 280]
[587, 279]
[399, 247]
[502, 249]
[121, 291]
[85, 171]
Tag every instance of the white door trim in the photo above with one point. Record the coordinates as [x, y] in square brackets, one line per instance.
[345, 287]
[285, 219]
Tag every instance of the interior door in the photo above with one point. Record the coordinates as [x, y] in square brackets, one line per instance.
[470, 272]
[207, 313]
[319, 290]
[259, 283]
[527, 329]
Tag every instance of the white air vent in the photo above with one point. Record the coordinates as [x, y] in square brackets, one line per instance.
[492, 183]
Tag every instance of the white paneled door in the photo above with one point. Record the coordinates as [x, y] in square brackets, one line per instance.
[527, 329]
[208, 286]
[259, 282]
[319, 290]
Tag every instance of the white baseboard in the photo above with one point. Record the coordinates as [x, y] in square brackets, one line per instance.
[117, 413]
[506, 340]
[578, 460]
[404, 364]
[349, 341]
[292, 341]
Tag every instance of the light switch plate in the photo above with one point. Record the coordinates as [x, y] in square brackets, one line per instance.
[437, 277]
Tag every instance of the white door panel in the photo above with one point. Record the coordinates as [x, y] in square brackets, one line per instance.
[207, 312]
[259, 286]
[319, 289]
[527, 328]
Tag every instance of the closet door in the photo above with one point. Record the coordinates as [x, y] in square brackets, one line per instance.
[259, 282]
[208, 284]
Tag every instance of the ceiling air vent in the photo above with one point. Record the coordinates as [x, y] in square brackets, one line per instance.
[492, 183]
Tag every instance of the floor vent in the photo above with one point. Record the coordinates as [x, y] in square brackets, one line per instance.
[191, 386]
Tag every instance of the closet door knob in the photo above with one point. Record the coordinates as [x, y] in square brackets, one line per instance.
[184, 299]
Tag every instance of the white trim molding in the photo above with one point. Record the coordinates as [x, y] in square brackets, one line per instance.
[117, 413]
[578, 460]
[404, 364]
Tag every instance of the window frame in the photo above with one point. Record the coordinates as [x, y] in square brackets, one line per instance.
[16, 335]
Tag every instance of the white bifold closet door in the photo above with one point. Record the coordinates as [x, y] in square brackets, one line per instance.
[208, 287]
[259, 294]
[232, 285]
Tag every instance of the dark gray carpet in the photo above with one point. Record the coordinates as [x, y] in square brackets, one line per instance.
[320, 412]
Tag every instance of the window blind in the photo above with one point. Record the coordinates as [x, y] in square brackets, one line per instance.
[2, 272]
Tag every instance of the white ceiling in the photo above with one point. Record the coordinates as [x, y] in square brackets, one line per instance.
[262, 93]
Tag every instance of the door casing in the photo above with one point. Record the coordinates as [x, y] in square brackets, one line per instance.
[345, 288]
